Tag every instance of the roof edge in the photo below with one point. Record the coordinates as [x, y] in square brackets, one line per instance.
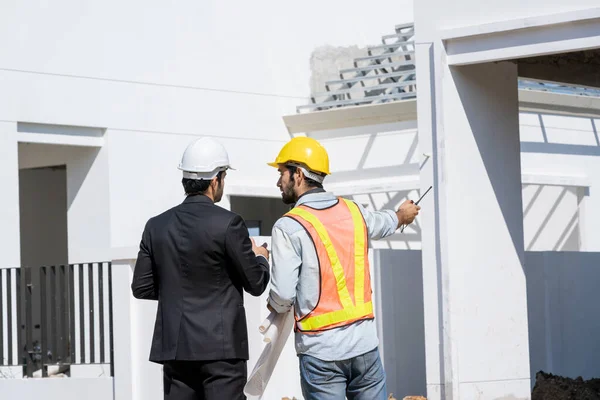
[406, 110]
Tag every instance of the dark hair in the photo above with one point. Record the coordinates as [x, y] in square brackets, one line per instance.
[199, 186]
[309, 182]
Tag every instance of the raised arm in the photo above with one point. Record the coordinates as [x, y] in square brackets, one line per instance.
[381, 224]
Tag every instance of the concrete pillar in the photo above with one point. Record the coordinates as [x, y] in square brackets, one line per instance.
[122, 331]
[9, 201]
[147, 376]
[136, 378]
[475, 301]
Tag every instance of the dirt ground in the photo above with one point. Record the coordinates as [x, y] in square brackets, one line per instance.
[552, 387]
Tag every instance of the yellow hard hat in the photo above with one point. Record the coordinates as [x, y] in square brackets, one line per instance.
[304, 150]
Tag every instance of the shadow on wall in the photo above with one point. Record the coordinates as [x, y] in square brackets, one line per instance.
[558, 228]
[550, 212]
[87, 195]
[541, 133]
[402, 327]
[376, 152]
[495, 134]
[410, 239]
[78, 160]
[551, 217]
[43, 223]
[79, 169]
[564, 320]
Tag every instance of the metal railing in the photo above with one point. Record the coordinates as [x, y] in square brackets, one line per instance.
[54, 317]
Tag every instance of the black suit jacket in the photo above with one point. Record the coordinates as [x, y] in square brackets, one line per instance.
[196, 259]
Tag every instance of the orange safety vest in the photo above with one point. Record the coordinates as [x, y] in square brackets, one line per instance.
[340, 237]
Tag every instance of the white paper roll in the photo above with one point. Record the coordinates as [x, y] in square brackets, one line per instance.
[267, 322]
[271, 333]
[259, 378]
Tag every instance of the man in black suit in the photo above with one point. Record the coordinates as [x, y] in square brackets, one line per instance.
[196, 259]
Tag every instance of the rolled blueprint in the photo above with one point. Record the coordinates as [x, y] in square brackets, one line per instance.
[267, 323]
[271, 333]
[259, 378]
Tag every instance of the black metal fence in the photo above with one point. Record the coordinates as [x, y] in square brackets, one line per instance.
[54, 317]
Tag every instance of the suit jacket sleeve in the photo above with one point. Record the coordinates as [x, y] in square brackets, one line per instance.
[251, 269]
[144, 285]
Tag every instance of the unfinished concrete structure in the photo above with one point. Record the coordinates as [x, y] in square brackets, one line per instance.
[87, 108]
[469, 62]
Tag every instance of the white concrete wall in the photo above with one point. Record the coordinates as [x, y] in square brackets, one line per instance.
[398, 289]
[237, 47]
[567, 146]
[561, 304]
[9, 201]
[446, 96]
[135, 377]
[87, 195]
[58, 389]
[459, 105]
[159, 75]
[554, 148]
[562, 300]
[143, 315]
[551, 217]
[485, 347]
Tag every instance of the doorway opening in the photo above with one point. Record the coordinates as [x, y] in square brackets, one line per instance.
[259, 213]
[43, 216]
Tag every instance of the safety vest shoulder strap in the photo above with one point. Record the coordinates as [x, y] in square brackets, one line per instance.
[359, 251]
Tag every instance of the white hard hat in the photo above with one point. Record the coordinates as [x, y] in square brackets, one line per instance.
[204, 158]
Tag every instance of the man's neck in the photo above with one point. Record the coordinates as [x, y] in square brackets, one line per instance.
[209, 195]
[311, 191]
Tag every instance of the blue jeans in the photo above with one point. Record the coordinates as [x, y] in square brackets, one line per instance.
[358, 378]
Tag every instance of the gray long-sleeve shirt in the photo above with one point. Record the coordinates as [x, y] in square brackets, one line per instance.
[295, 281]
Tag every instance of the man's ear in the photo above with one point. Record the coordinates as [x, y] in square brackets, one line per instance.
[214, 183]
[299, 178]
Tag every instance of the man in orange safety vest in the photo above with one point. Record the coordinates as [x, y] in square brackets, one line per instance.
[320, 267]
